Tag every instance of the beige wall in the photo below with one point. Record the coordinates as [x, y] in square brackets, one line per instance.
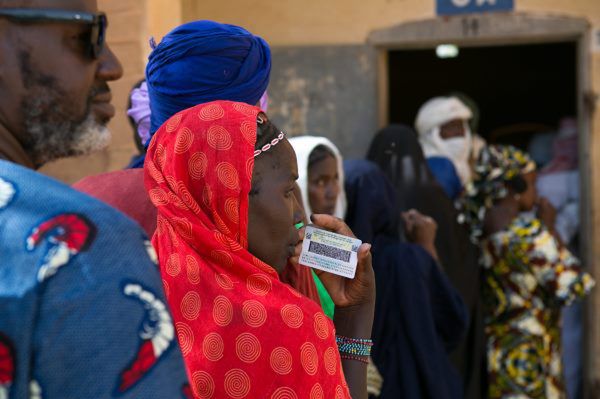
[311, 22]
[286, 22]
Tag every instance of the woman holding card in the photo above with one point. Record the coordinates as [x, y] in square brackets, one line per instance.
[222, 176]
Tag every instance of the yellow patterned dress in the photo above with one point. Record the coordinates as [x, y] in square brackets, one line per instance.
[528, 279]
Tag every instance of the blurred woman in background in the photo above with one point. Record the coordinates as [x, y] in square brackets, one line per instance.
[529, 275]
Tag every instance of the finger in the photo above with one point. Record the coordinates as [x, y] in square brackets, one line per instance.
[331, 223]
[413, 213]
[364, 258]
[410, 226]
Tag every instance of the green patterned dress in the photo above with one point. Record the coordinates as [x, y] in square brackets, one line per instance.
[528, 279]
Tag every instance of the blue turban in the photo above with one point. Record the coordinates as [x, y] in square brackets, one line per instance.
[204, 61]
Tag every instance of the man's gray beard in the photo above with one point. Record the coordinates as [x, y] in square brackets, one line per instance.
[51, 138]
[53, 129]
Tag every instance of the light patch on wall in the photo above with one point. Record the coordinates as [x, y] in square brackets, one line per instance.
[447, 51]
[596, 41]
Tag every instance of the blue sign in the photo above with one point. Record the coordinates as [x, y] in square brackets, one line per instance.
[456, 7]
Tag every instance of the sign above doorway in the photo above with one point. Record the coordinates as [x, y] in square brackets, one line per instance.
[457, 7]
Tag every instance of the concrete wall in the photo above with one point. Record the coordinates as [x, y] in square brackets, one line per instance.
[326, 91]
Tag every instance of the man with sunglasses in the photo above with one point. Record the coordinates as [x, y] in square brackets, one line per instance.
[82, 313]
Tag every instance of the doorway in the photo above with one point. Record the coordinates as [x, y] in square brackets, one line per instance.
[520, 90]
[516, 42]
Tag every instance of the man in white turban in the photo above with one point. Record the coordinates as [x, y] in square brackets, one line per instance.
[443, 127]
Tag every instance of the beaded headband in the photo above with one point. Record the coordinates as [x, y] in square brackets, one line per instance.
[271, 144]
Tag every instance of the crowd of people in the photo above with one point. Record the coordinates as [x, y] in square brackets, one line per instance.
[180, 275]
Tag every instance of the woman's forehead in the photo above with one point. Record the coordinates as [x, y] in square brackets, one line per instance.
[279, 163]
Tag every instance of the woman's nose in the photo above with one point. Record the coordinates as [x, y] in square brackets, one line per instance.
[298, 211]
[332, 190]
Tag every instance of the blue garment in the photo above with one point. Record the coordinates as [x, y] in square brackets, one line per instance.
[445, 173]
[82, 312]
[572, 353]
[419, 316]
[204, 61]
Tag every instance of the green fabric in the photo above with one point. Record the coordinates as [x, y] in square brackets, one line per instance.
[326, 301]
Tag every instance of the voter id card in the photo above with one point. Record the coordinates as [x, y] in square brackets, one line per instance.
[330, 252]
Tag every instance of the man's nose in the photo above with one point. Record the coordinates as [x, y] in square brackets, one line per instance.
[109, 67]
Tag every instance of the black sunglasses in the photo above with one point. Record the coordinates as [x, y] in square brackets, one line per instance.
[97, 21]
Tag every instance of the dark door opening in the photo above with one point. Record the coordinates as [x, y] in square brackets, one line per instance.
[522, 92]
[520, 89]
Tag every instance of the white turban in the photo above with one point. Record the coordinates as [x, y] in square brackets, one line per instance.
[432, 115]
[438, 111]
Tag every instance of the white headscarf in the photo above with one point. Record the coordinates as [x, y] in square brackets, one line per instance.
[432, 115]
[303, 146]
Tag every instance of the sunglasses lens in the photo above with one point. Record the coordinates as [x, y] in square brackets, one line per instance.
[98, 36]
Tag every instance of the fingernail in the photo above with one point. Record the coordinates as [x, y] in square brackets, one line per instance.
[369, 247]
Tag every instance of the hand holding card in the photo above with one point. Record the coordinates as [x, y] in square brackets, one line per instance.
[330, 252]
[346, 292]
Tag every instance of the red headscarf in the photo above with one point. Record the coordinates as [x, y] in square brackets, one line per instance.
[243, 333]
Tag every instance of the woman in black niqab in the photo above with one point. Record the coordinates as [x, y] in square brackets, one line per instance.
[419, 315]
[396, 150]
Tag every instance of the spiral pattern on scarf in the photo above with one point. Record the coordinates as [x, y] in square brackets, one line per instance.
[222, 311]
[281, 361]
[222, 257]
[317, 392]
[160, 157]
[284, 393]
[158, 197]
[309, 358]
[219, 138]
[330, 360]
[197, 165]
[190, 305]
[173, 123]
[184, 140]
[254, 313]
[192, 269]
[247, 347]
[248, 130]
[211, 112]
[227, 175]
[185, 335]
[203, 385]
[321, 326]
[237, 383]
[292, 316]
[173, 267]
[258, 284]
[224, 281]
[213, 347]
[232, 206]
